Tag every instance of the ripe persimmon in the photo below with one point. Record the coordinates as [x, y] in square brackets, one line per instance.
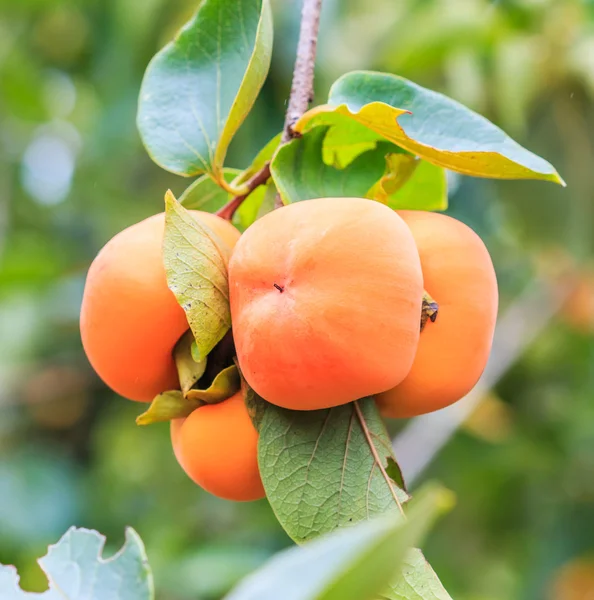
[217, 447]
[325, 302]
[453, 350]
[130, 320]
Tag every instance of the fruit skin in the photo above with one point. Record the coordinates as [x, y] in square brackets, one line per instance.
[345, 322]
[453, 351]
[130, 320]
[217, 447]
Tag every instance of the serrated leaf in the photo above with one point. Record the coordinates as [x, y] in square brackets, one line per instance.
[199, 88]
[189, 370]
[206, 194]
[320, 471]
[75, 570]
[416, 581]
[299, 172]
[350, 564]
[196, 266]
[429, 125]
[225, 384]
[166, 407]
[412, 183]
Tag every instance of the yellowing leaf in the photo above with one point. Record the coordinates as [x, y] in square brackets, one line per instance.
[428, 124]
[412, 183]
[196, 266]
[225, 384]
[189, 370]
[167, 406]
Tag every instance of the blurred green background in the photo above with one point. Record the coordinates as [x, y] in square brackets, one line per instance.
[73, 173]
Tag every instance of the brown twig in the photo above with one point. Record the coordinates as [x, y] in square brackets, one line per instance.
[260, 178]
[299, 100]
[302, 87]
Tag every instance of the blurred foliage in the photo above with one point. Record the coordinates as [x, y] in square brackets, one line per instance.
[73, 173]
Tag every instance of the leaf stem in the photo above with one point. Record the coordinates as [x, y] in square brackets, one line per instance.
[260, 178]
[301, 96]
[376, 455]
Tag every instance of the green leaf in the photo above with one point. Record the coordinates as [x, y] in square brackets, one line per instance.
[168, 406]
[412, 183]
[395, 474]
[206, 194]
[348, 140]
[188, 369]
[320, 471]
[198, 90]
[256, 205]
[225, 384]
[416, 581]
[429, 125]
[299, 172]
[196, 267]
[265, 155]
[354, 563]
[75, 570]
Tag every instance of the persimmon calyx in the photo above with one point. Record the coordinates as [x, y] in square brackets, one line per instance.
[429, 310]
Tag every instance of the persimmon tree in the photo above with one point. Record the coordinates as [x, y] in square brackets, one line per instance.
[379, 137]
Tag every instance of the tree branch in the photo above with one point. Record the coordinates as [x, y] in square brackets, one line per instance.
[302, 89]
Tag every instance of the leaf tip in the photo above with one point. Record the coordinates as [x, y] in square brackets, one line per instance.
[169, 198]
[556, 178]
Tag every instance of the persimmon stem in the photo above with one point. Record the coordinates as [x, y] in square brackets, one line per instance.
[429, 310]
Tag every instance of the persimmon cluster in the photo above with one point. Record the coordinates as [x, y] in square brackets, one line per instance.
[329, 304]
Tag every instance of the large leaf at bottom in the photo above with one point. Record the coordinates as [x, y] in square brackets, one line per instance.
[325, 469]
[198, 90]
[429, 125]
[354, 563]
[196, 266]
[75, 570]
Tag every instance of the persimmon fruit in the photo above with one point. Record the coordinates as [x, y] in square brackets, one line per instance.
[325, 302]
[217, 447]
[130, 321]
[452, 351]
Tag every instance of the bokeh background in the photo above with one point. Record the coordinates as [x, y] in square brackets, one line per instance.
[73, 173]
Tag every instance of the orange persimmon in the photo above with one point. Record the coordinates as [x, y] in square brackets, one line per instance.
[325, 302]
[130, 320]
[453, 350]
[217, 447]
